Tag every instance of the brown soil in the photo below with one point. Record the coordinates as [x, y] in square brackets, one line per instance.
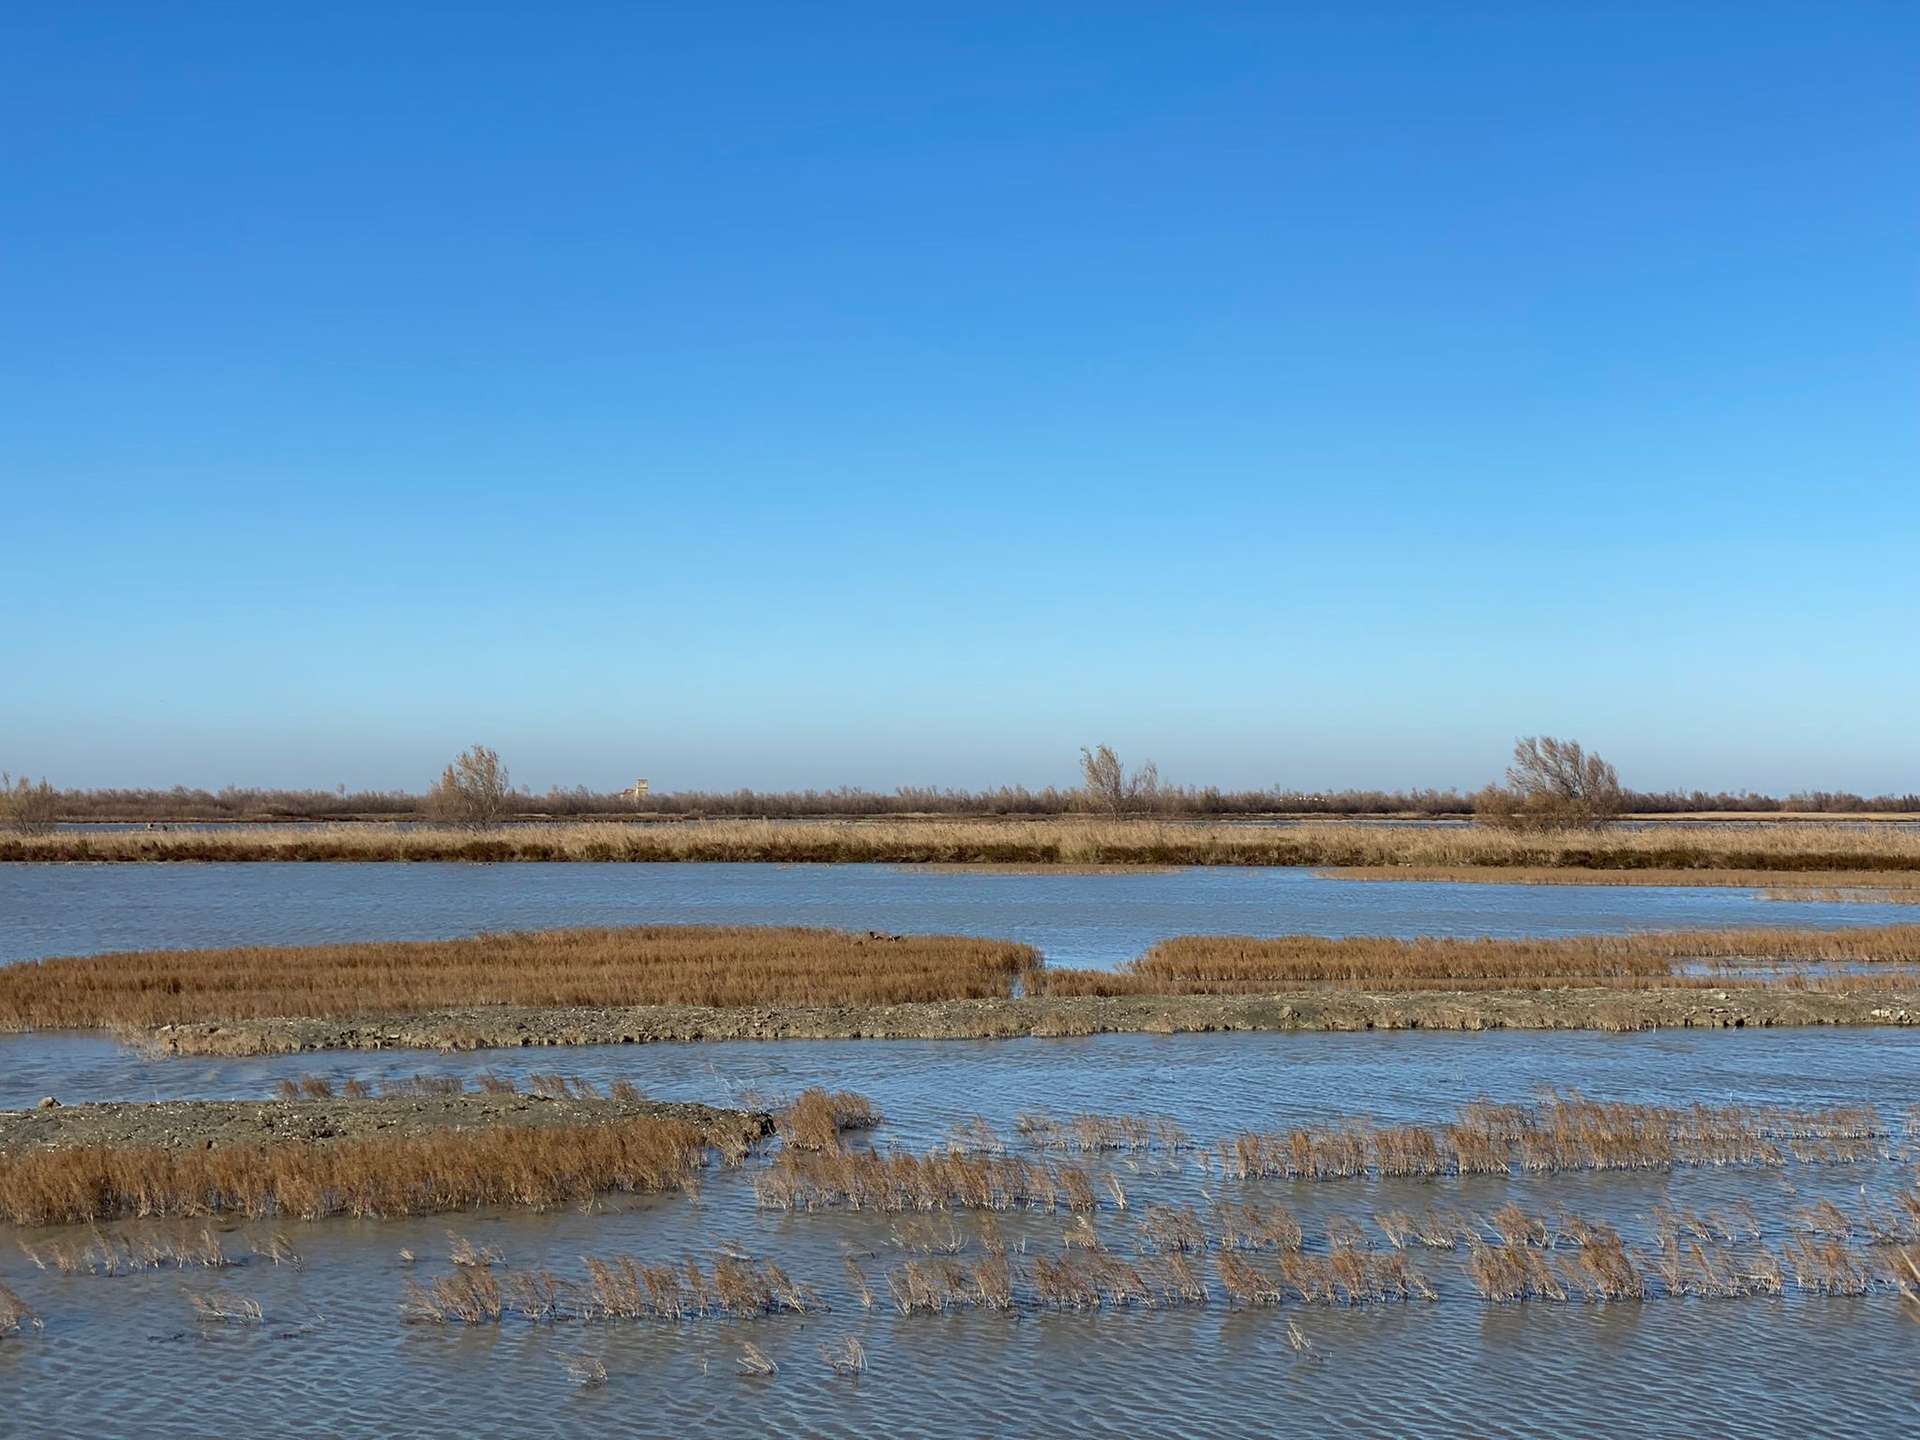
[213, 1123]
[1586, 1008]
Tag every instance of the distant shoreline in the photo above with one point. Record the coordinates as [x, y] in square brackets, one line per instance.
[1835, 853]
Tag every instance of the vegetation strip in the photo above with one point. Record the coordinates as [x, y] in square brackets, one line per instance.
[371, 1158]
[694, 983]
[653, 965]
[1774, 848]
[1245, 964]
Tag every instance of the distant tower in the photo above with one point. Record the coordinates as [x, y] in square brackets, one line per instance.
[637, 791]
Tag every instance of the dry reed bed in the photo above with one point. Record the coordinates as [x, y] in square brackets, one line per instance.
[1245, 964]
[653, 965]
[899, 1183]
[1072, 841]
[1562, 1133]
[524, 1167]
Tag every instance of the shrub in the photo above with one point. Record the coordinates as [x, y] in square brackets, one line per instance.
[1551, 785]
[26, 806]
[1110, 789]
[474, 790]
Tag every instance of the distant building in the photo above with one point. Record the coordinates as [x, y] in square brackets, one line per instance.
[636, 791]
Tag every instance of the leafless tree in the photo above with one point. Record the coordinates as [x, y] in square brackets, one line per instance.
[26, 806]
[1110, 789]
[474, 790]
[1552, 784]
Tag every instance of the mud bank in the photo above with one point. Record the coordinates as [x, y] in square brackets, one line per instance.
[1565, 1009]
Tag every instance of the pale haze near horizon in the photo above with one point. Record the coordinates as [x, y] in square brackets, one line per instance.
[754, 399]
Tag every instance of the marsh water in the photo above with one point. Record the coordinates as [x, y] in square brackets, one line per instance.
[1074, 917]
[124, 1354]
[334, 1354]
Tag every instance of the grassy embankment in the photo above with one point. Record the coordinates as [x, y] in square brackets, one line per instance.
[1828, 857]
[598, 986]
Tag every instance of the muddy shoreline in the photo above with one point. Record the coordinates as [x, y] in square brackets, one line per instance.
[172, 1124]
[505, 1027]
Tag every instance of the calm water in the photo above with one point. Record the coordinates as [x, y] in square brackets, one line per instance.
[1075, 918]
[123, 1355]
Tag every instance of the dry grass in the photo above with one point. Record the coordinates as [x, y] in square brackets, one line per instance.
[1254, 1227]
[1510, 1272]
[1244, 964]
[223, 1307]
[816, 1118]
[125, 1253]
[15, 1313]
[755, 1362]
[902, 1183]
[1072, 841]
[847, 1359]
[654, 965]
[620, 1287]
[1093, 1134]
[524, 1167]
[1346, 1275]
[1562, 1133]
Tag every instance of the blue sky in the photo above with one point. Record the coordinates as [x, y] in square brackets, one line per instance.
[797, 395]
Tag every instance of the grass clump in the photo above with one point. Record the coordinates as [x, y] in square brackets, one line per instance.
[816, 1118]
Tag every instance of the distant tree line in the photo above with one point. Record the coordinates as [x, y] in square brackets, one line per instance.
[1551, 782]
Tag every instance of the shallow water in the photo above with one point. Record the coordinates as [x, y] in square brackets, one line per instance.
[1096, 919]
[123, 1355]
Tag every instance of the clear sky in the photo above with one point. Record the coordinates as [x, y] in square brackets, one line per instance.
[784, 395]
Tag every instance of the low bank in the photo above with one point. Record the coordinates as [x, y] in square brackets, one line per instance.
[1581, 1008]
[1076, 841]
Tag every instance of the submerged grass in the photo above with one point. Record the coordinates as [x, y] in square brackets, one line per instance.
[652, 965]
[1069, 841]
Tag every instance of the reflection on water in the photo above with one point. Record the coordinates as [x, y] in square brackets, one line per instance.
[122, 1355]
[1074, 918]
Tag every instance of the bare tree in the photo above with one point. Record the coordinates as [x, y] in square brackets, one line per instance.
[1109, 788]
[474, 790]
[26, 806]
[1552, 784]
